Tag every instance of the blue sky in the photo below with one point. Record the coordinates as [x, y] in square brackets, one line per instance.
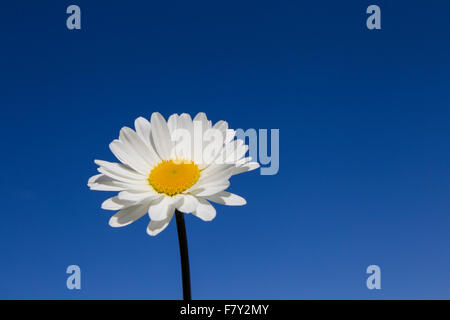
[364, 146]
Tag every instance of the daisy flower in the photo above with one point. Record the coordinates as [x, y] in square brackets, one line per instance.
[183, 164]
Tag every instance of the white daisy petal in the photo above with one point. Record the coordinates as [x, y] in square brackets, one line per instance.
[215, 168]
[94, 179]
[114, 176]
[155, 227]
[227, 152]
[240, 152]
[185, 122]
[186, 145]
[128, 157]
[120, 169]
[221, 126]
[161, 136]
[227, 198]
[143, 129]
[145, 153]
[246, 167]
[134, 195]
[115, 203]
[172, 122]
[128, 215]
[211, 188]
[162, 207]
[243, 161]
[212, 146]
[134, 181]
[234, 151]
[205, 210]
[223, 172]
[229, 135]
[201, 125]
[201, 116]
[101, 182]
[187, 204]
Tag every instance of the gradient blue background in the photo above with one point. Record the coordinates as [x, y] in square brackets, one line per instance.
[364, 146]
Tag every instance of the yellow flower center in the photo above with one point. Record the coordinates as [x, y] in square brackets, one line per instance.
[173, 176]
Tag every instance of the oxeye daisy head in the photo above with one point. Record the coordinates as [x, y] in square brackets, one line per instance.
[181, 164]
